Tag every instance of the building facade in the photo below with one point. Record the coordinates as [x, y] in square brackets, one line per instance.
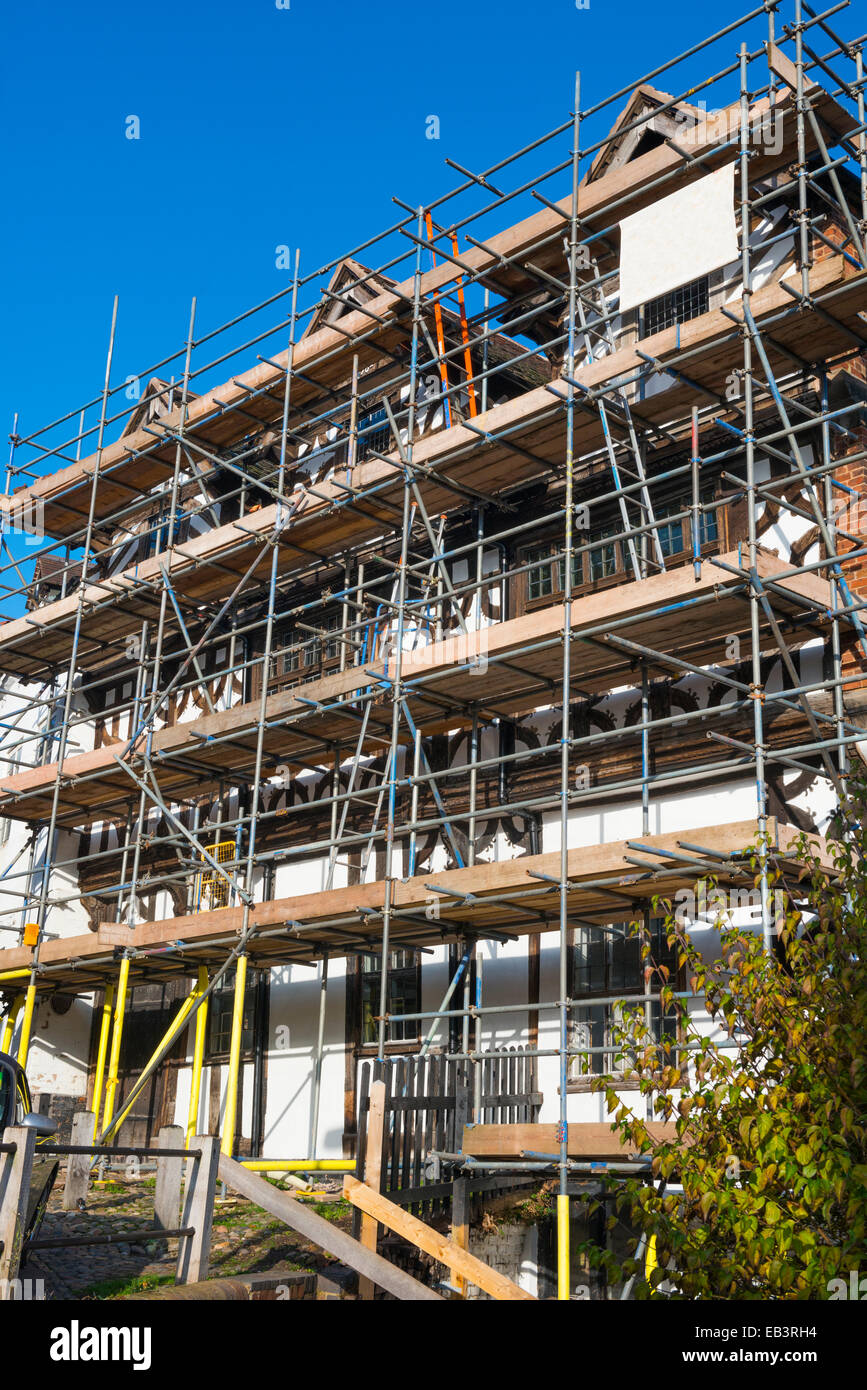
[515, 585]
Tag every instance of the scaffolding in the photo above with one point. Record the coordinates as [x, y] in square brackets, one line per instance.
[263, 592]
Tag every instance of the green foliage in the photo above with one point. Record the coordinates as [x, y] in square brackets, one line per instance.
[333, 1211]
[771, 1147]
[125, 1287]
[538, 1206]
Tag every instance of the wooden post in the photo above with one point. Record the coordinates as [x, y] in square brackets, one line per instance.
[461, 1186]
[194, 1251]
[461, 1224]
[372, 1174]
[432, 1242]
[78, 1167]
[14, 1196]
[167, 1196]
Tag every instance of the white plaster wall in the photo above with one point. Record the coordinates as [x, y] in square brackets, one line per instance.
[788, 527]
[18, 751]
[59, 1046]
[57, 1059]
[294, 1020]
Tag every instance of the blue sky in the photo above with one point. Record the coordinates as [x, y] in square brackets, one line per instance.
[260, 126]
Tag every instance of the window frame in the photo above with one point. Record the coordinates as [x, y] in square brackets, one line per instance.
[553, 564]
[155, 539]
[226, 990]
[546, 548]
[601, 1064]
[374, 434]
[411, 1043]
[682, 503]
[284, 674]
[669, 306]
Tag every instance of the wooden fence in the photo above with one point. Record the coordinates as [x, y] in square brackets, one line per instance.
[428, 1102]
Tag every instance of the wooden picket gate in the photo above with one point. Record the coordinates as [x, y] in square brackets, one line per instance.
[428, 1102]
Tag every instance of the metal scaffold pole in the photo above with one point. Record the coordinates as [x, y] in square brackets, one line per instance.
[564, 1280]
[396, 665]
[757, 691]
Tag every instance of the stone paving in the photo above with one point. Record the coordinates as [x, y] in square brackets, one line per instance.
[245, 1240]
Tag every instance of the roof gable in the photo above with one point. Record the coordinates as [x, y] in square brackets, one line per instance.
[354, 285]
[657, 124]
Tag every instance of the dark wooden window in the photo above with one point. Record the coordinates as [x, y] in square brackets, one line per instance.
[607, 963]
[220, 1009]
[306, 653]
[675, 536]
[606, 562]
[404, 995]
[540, 576]
[603, 562]
[543, 582]
[150, 1008]
[156, 535]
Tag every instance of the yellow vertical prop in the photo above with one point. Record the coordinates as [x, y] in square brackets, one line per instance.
[26, 1025]
[116, 1034]
[101, 1054]
[198, 1057]
[171, 1034]
[563, 1271]
[234, 1059]
[11, 1020]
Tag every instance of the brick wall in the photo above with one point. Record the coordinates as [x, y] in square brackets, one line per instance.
[512, 1249]
[852, 518]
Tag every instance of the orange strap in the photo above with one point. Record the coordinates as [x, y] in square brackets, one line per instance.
[438, 319]
[465, 336]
